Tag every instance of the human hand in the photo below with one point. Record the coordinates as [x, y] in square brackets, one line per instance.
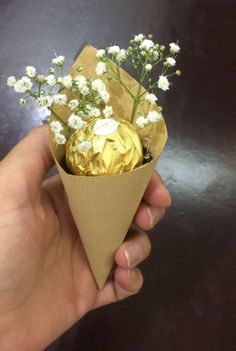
[45, 281]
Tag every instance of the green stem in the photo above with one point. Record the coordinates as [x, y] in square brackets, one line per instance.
[136, 102]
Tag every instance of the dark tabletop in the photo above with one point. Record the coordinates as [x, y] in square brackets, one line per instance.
[188, 296]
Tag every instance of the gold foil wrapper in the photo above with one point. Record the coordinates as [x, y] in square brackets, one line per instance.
[115, 148]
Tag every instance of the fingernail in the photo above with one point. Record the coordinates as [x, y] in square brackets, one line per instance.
[133, 254]
[169, 198]
[150, 216]
[154, 215]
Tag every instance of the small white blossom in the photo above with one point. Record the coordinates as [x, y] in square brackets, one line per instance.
[30, 71]
[22, 102]
[60, 99]
[22, 85]
[148, 67]
[84, 146]
[84, 91]
[105, 96]
[51, 80]
[80, 81]
[101, 68]
[153, 117]
[51, 70]
[94, 112]
[76, 122]
[138, 38]
[11, 81]
[171, 61]
[155, 55]
[150, 98]
[163, 83]
[98, 85]
[67, 81]
[56, 127]
[60, 139]
[141, 121]
[146, 44]
[121, 56]
[113, 50]
[41, 78]
[73, 104]
[108, 111]
[59, 80]
[44, 101]
[174, 48]
[100, 53]
[59, 60]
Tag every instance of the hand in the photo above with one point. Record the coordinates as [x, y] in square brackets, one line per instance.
[45, 281]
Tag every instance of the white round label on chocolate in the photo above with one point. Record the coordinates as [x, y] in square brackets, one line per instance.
[105, 126]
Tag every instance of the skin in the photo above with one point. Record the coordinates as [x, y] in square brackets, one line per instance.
[45, 281]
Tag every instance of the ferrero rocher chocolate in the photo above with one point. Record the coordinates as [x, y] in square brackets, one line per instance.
[104, 147]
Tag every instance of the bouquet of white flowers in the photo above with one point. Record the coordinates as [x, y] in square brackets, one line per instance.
[106, 134]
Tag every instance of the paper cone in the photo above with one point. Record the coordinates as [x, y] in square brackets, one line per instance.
[103, 206]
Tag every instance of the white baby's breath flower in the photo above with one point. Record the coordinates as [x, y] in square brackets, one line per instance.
[138, 38]
[108, 111]
[59, 61]
[121, 56]
[80, 81]
[141, 121]
[146, 44]
[76, 122]
[84, 146]
[113, 50]
[94, 112]
[84, 90]
[30, 71]
[153, 117]
[98, 85]
[171, 61]
[44, 101]
[22, 85]
[101, 68]
[105, 96]
[60, 139]
[11, 81]
[148, 67]
[41, 78]
[59, 80]
[56, 127]
[100, 53]
[22, 102]
[73, 104]
[163, 83]
[155, 55]
[60, 99]
[51, 80]
[67, 81]
[150, 98]
[174, 48]
[51, 70]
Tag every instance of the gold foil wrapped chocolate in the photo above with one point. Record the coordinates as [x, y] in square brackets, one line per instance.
[104, 147]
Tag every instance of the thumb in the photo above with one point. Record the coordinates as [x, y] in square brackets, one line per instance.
[30, 160]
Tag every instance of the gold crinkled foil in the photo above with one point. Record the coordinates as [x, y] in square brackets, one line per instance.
[111, 151]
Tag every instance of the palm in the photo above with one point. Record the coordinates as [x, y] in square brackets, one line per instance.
[49, 262]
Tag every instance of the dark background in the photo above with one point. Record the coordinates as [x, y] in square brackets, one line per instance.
[188, 296]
